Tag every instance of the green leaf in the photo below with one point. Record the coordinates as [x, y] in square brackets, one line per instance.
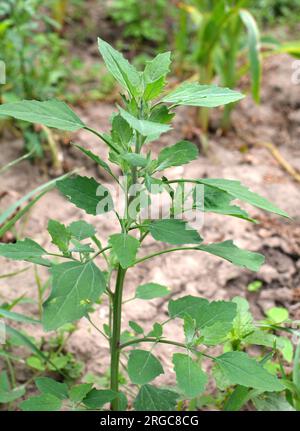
[153, 399]
[135, 160]
[121, 132]
[243, 322]
[253, 52]
[13, 213]
[191, 306]
[135, 327]
[143, 367]
[78, 392]
[125, 247]
[50, 386]
[17, 317]
[204, 313]
[144, 127]
[50, 113]
[22, 250]
[210, 96]
[228, 251]
[219, 202]
[240, 369]
[174, 231]
[24, 340]
[96, 159]
[75, 287]
[81, 248]
[272, 403]
[11, 395]
[156, 331]
[158, 67]
[120, 68]
[189, 327]
[238, 191]
[190, 378]
[179, 154]
[215, 312]
[86, 194]
[237, 399]
[42, 403]
[277, 315]
[60, 235]
[217, 333]
[97, 398]
[81, 230]
[151, 290]
[154, 75]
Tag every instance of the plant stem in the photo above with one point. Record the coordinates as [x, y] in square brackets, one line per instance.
[158, 253]
[163, 341]
[115, 340]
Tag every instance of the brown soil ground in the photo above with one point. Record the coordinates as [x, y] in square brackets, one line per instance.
[238, 155]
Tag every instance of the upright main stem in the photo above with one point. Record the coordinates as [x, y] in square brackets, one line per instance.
[116, 333]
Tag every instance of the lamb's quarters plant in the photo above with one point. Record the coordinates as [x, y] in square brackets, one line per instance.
[78, 282]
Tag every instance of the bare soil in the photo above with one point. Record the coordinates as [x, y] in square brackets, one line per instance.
[238, 155]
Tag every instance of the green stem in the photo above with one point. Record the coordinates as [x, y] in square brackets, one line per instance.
[115, 340]
[168, 250]
[162, 341]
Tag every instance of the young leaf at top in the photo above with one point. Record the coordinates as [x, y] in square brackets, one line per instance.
[174, 231]
[144, 127]
[190, 378]
[125, 248]
[143, 367]
[243, 370]
[120, 68]
[81, 230]
[151, 398]
[179, 154]
[86, 194]
[210, 96]
[154, 75]
[60, 235]
[22, 250]
[75, 287]
[228, 251]
[151, 290]
[50, 113]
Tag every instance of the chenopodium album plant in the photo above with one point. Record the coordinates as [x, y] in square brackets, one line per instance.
[77, 281]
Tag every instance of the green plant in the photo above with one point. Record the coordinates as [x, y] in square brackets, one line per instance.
[78, 282]
[274, 12]
[141, 23]
[226, 43]
[33, 63]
